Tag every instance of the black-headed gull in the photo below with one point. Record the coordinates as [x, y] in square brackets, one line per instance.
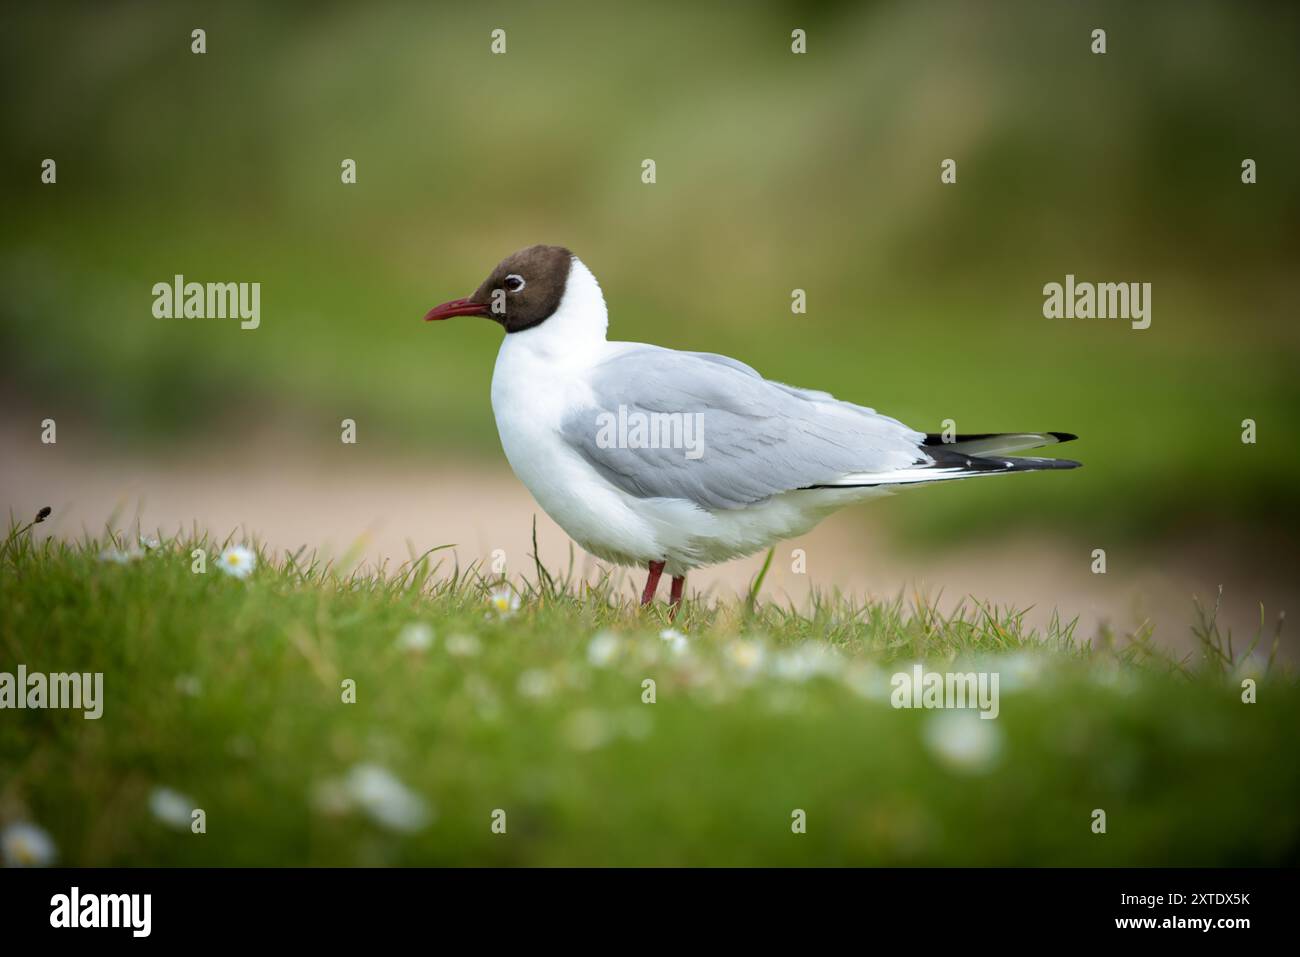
[675, 460]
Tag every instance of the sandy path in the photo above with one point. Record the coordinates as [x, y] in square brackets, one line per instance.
[347, 498]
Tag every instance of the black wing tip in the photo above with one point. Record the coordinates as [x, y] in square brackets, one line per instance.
[1028, 464]
[936, 438]
[946, 459]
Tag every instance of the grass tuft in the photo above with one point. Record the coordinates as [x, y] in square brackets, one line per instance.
[233, 693]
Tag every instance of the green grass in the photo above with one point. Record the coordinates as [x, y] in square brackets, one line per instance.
[228, 691]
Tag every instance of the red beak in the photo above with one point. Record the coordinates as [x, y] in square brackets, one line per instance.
[457, 307]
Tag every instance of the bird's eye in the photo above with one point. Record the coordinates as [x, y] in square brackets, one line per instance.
[514, 283]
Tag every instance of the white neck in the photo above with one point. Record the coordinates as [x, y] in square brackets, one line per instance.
[575, 330]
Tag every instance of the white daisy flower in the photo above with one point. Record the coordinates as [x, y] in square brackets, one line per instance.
[746, 656]
[386, 800]
[149, 543]
[416, 636]
[963, 741]
[171, 807]
[238, 561]
[504, 602]
[26, 845]
[463, 646]
[678, 643]
[808, 660]
[117, 556]
[603, 649]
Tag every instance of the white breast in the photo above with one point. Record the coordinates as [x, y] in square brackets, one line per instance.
[540, 374]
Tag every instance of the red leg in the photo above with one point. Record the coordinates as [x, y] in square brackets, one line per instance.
[652, 583]
[675, 600]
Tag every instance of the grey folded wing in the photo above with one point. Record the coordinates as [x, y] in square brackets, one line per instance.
[711, 430]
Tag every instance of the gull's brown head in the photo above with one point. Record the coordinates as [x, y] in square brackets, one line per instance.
[523, 291]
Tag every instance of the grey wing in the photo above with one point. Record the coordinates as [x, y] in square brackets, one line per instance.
[711, 430]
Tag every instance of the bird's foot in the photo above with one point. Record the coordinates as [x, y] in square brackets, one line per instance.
[652, 582]
[675, 599]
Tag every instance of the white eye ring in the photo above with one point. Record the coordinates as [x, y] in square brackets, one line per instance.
[515, 277]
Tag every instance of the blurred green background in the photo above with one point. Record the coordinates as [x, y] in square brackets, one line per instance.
[775, 171]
